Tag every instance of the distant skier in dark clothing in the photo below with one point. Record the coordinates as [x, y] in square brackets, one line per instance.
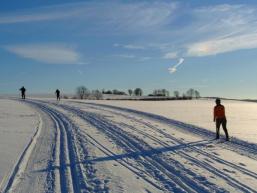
[57, 92]
[220, 119]
[23, 90]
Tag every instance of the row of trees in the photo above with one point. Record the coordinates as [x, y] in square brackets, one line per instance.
[191, 93]
[136, 92]
[160, 92]
[83, 93]
[115, 91]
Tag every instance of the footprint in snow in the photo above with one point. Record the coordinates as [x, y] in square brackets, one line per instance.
[229, 171]
[242, 164]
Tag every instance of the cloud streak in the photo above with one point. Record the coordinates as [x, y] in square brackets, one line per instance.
[171, 55]
[207, 31]
[223, 28]
[173, 69]
[217, 46]
[119, 15]
[46, 53]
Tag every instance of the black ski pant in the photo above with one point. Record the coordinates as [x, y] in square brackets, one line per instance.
[223, 122]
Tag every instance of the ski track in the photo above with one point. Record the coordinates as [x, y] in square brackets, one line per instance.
[63, 172]
[70, 169]
[72, 178]
[233, 182]
[239, 146]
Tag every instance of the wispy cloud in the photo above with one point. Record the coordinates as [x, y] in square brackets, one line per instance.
[173, 69]
[217, 46]
[134, 47]
[43, 14]
[125, 56]
[170, 55]
[208, 30]
[223, 28]
[129, 46]
[121, 16]
[46, 53]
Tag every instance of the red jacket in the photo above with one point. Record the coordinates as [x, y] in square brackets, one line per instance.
[219, 112]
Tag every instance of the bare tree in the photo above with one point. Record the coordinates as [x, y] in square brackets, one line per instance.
[190, 93]
[82, 92]
[130, 91]
[197, 94]
[176, 94]
[97, 94]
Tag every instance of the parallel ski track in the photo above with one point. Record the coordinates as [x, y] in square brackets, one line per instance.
[154, 164]
[239, 146]
[233, 182]
[191, 146]
[70, 176]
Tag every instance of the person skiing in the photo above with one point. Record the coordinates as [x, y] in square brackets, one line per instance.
[220, 119]
[57, 92]
[23, 90]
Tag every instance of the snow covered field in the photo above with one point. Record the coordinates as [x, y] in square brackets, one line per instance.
[242, 116]
[126, 146]
[18, 124]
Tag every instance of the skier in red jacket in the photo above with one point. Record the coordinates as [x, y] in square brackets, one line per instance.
[220, 119]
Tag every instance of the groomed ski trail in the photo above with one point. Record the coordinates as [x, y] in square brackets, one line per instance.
[162, 154]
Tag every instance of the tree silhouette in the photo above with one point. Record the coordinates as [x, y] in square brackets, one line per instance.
[97, 94]
[197, 94]
[82, 92]
[190, 93]
[130, 92]
[176, 94]
[138, 92]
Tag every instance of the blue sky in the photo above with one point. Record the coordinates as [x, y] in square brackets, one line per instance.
[177, 45]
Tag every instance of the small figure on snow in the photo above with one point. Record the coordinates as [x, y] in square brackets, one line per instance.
[220, 119]
[57, 92]
[23, 90]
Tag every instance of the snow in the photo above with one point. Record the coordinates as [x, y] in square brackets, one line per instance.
[18, 123]
[241, 116]
[128, 146]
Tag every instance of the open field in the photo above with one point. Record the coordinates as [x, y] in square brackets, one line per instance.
[125, 146]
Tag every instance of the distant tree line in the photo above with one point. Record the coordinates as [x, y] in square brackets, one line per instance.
[84, 93]
[160, 92]
[115, 91]
[135, 92]
[191, 93]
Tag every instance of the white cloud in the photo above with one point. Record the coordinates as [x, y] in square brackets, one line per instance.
[171, 55]
[129, 46]
[161, 26]
[217, 46]
[44, 14]
[46, 53]
[134, 47]
[137, 16]
[223, 28]
[173, 69]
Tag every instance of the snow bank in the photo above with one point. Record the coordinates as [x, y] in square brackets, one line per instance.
[18, 124]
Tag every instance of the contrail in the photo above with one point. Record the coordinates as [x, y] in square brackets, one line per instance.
[173, 69]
